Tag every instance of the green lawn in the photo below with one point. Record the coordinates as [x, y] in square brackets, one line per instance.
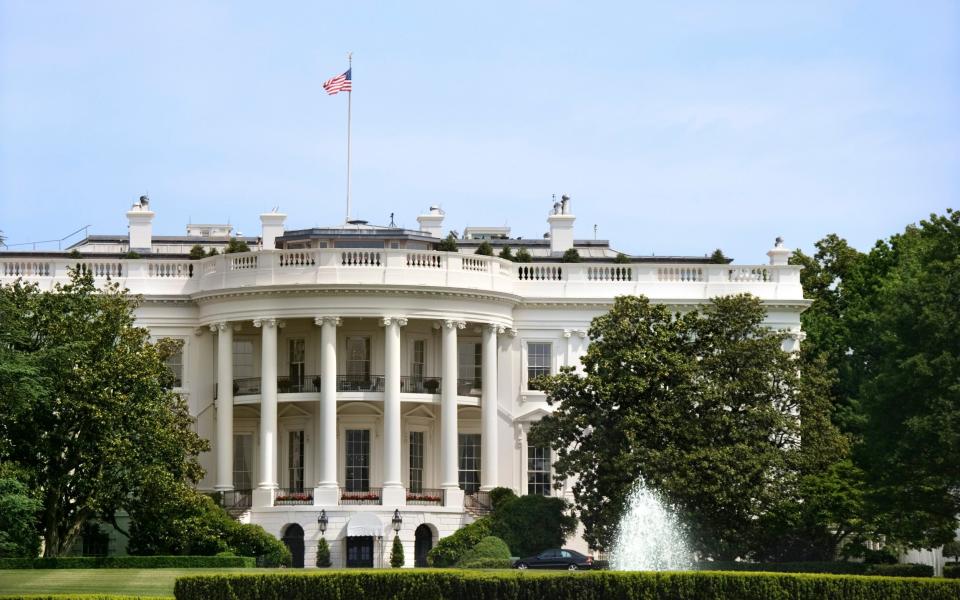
[133, 582]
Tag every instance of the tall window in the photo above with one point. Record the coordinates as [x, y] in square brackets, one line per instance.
[295, 461]
[297, 364]
[416, 462]
[538, 470]
[242, 459]
[469, 454]
[175, 364]
[469, 359]
[358, 359]
[418, 361]
[243, 359]
[358, 460]
[539, 359]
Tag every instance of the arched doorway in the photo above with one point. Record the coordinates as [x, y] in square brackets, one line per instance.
[293, 538]
[423, 544]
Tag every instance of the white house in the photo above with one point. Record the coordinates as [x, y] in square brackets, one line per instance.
[356, 372]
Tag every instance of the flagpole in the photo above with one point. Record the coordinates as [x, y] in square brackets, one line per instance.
[349, 110]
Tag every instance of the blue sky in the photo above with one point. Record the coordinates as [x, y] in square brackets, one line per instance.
[677, 128]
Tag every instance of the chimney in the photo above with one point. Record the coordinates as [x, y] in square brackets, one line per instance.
[561, 227]
[140, 229]
[432, 223]
[778, 254]
[271, 227]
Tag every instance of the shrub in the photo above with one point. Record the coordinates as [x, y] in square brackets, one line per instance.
[506, 253]
[718, 257]
[132, 255]
[448, 244]
[487, 563]
[18, 519]
[523, 256]
[529, 524]
[323, 553]
[422, 584]
[489, 548]
[622, 259]
[396, 553]
[213, 252]
[235, 245]
[129, 562]
[951, 571]
[499, 495]
[253, 540]
[196, 252]
[485, 249]
[901, 570]
[952, 549]
[570, 256]
[449, 550]
[835, 568]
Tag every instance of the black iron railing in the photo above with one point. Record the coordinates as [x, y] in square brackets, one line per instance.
[425, 497]
[288, 497]
[478, 501]
[469, 387]
[298, 385]
[370, 496]
[359, 383]
[232, 499]
[410, 384]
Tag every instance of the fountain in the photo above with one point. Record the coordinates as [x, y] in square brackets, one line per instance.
[650, 536]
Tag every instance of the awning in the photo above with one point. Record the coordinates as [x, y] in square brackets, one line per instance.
[364, 524]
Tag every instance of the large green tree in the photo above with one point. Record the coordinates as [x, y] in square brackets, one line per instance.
[703, 406]
[87, 410]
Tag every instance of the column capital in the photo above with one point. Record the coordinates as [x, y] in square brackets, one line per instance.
[512, 332]
[495, 327]
[451, 323]
[222, 326]
[267, 322]
[567, 333]
[582, 333]
[401, 321]
[335, 321]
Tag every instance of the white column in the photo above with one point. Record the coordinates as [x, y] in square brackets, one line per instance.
[450, 480]
[327, 491]
[224, 406]
[488, 409]
[394, 494]
[263, 496]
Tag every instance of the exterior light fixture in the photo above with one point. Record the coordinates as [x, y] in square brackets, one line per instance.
[322, 521]
[397, 521]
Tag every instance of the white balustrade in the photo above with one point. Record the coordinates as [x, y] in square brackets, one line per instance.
[297, 258]
[607, 273]
[424, 260]
[242, 262]
[170, 270]
[748, 274]
[26, 268]
[471, 263]
[361, 258]
[680, 273]
[529, 272]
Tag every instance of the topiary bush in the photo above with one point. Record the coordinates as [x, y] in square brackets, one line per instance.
[506, 253]
[570, 256]
[450, 549]
[323, 553]
[500, 495]
[485, 249]
[448, 244]
[951, 571]
[396, 553]
[423, 584]
[523, 256]
[253, 540]
[488, 548]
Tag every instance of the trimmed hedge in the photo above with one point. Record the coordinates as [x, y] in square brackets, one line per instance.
[129, 562]
[431, 584]
[951, 571]
[80, 597]
[834, 568]
[486, 563]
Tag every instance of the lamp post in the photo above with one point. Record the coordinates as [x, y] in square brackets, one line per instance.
[322, 521]
[397, 521]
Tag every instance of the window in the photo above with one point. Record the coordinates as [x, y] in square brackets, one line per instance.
[297, 363]
[469, 360]
[175, 364]
[358, 460]
[418, 361]
[416, 462]
[243, 359]
[358, 359]
[538, 470]
[242, 459]
[469, 454]
[539, 357]
[295, 461]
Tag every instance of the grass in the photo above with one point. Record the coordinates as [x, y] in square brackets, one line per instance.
[132, 582]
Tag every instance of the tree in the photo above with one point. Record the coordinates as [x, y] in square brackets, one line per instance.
[529, 524]
[622, 259]
[485, 249]
[702, 406]
[448, 244]
[396, 553]
[213, 252]
[506, 253]
[523, 256]
[323, 553]
[18, 518]
[718, 257]
[196, 252]
[87, 413]
[570, 256]
[235, 245]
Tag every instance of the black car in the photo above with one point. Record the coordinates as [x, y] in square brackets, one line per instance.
[556, 558]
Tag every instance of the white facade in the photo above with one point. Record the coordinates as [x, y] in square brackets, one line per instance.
[332, 374]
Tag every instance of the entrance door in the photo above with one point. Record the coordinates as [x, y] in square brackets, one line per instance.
[360, 552]
[423, 544]
[293, 538]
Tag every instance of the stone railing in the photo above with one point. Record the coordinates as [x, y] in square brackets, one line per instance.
[414, 268]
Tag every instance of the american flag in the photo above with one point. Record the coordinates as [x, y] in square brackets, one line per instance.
[340, 83]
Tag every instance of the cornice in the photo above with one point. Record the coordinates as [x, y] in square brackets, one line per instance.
[333, 290]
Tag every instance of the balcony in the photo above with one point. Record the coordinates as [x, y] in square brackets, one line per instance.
[401, 268]
[425, 497]
[470, 387]
[310, 384]
[372, 496]
[292, 497]
[359, 383]
[410, 384]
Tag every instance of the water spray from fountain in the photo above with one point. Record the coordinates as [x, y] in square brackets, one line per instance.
[650, 536]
